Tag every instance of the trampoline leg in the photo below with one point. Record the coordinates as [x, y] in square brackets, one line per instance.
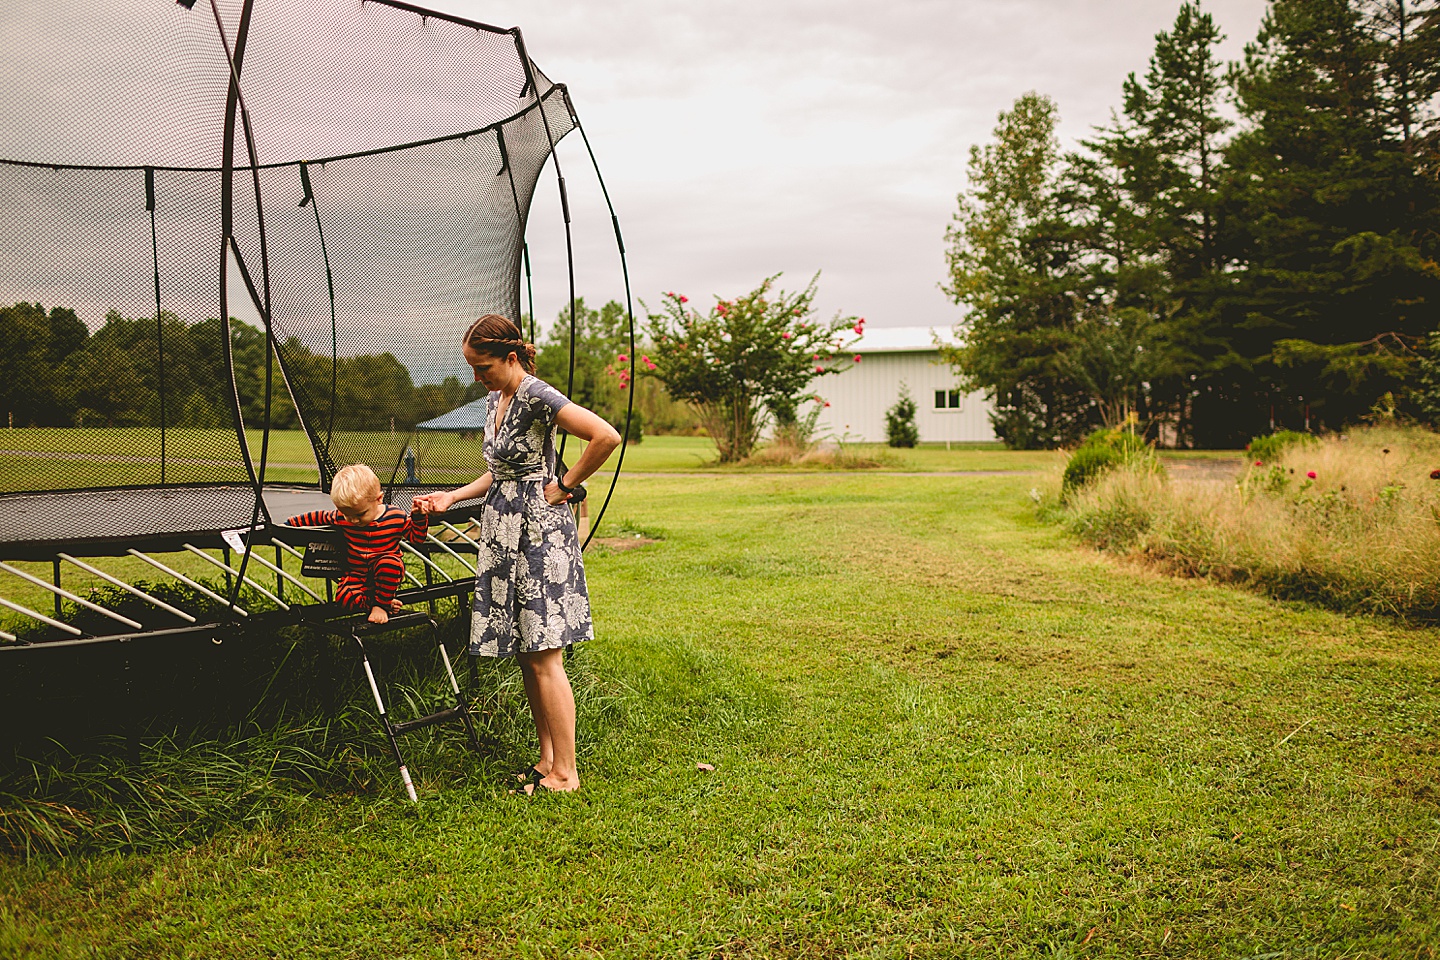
[455, 686]
[385, 720]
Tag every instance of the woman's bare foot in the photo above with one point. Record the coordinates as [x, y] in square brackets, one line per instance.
[553, 784]
[378, 615]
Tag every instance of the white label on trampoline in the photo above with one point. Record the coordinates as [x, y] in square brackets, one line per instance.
[234, 538]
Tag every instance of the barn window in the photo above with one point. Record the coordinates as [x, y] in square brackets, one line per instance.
[949, 400]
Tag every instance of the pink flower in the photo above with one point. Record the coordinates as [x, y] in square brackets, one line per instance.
[819, 369]
[827, 403]
[1311, 474]
[857, 358]
[859, 328]
[684, 299]
[786, 335]
[1257, 463]
[797, 312]
[816, 357]
[623, 358]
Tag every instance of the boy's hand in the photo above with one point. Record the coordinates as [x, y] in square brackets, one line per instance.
[378, 615]
[437, 502]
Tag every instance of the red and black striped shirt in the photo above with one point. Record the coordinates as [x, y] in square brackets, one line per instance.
[375, 539]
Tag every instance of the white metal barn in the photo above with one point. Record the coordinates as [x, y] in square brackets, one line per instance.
[891, 356]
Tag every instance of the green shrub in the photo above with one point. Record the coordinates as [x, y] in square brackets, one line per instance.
[1102, 451]
[1268, 449]
[900, 428]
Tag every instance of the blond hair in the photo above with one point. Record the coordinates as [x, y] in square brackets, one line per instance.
[354, 486]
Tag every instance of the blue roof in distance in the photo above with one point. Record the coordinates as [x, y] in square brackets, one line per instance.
[467, 419]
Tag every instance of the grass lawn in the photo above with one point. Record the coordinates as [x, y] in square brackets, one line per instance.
[940, 729]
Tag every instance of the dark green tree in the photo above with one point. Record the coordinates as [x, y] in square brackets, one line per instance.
[601, 338]
[28, 383]
[1332, 223]
[1011, 254]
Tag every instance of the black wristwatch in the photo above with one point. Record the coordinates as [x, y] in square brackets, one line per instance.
[561, 484]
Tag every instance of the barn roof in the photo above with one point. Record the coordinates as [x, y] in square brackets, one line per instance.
[904, 339]
[467, 419]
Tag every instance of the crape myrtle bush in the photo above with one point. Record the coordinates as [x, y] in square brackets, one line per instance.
[748, 359]
[1349, 522]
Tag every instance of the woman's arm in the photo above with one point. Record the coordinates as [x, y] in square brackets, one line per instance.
[600, 438]
[443, 500]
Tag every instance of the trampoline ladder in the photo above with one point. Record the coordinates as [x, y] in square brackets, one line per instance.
[393, 731]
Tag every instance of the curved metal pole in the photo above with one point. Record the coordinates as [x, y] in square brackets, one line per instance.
[314, 202]
[236, 99]
[227, 201]
[564, 208]
[630, 316]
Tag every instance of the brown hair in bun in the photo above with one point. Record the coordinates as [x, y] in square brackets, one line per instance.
[499, 337]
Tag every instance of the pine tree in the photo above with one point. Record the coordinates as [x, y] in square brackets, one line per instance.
[1326, 216]
[1010, 252]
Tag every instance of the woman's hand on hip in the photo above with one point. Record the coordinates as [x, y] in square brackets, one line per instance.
[554, 495]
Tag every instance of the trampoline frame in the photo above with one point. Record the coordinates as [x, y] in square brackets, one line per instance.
[262, 531]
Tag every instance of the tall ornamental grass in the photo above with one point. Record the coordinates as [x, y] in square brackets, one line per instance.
[1350, 522]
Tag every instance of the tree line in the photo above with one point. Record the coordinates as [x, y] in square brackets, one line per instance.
[54, 372]
[1244, 246]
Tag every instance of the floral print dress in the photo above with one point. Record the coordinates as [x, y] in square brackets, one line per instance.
[530, 593]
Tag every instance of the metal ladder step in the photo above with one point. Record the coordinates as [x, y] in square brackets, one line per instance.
[429, 720]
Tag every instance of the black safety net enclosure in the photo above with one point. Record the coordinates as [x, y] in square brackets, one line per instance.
[240, 241]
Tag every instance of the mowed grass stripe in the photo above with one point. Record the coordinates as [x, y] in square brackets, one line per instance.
[940, 730]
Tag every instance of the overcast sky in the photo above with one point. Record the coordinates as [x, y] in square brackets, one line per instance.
[743, 138]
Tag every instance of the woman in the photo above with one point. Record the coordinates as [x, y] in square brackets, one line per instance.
[530, 597]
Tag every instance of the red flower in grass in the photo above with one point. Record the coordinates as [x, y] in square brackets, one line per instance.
[819, 369]
[1310, 474]
[786, 335]
[1435, 474]
[1258, 463]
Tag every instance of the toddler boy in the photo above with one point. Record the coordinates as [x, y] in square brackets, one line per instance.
[372, 531]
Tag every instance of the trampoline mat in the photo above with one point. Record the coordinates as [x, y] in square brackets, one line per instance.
[68, 520]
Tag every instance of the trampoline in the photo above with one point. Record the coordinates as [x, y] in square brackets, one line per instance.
[246, 225]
